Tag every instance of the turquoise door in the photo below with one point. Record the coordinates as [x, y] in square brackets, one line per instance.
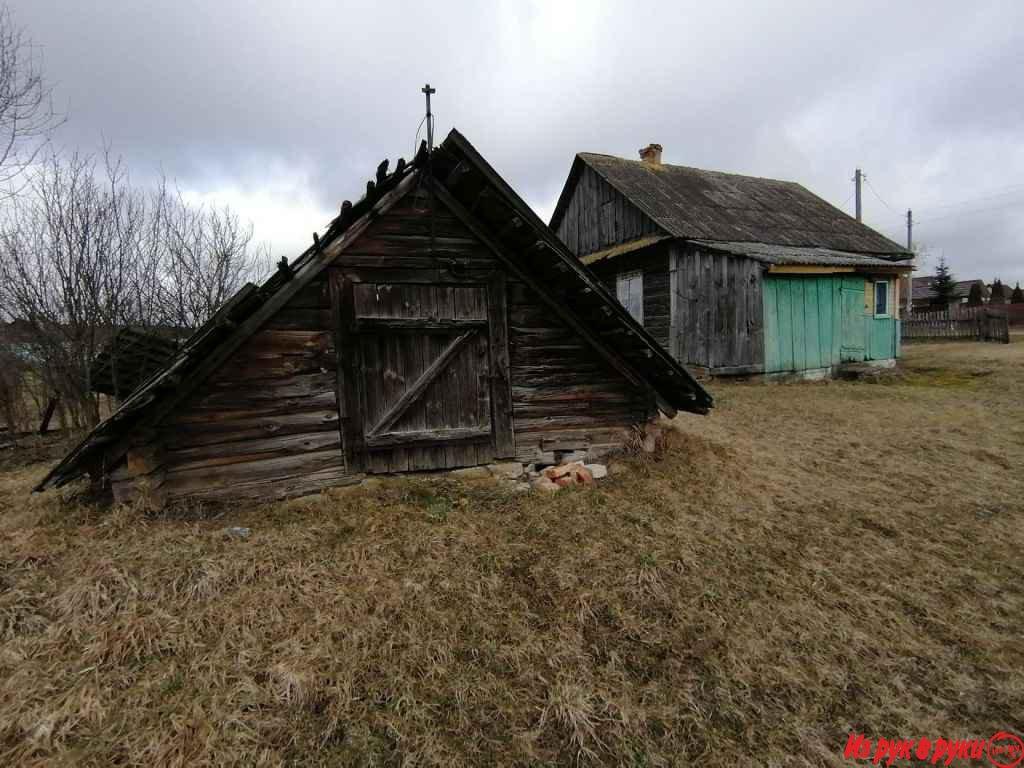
[800, 317]
[852, 345]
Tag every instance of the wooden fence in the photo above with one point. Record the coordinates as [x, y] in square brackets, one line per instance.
[976, 323]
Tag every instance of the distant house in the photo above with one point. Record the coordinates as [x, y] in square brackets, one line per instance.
[924, 296]
[734, 274]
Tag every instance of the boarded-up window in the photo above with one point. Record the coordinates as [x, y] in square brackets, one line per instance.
[630, 290]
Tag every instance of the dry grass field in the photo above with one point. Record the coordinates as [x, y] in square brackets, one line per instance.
[810, 560]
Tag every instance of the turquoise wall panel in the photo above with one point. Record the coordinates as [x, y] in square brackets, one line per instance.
[882, 335]
[812, 331]
[818, 321]
[784, 297]
[852, 326]
[799, 324]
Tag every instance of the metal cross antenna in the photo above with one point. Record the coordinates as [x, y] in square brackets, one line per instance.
[430, 120]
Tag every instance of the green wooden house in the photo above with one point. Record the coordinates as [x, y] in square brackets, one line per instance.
[735, 274]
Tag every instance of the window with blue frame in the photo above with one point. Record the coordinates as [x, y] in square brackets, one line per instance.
[882, 298]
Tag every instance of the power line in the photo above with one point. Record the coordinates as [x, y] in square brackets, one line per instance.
[1015, 189]
[875, 193]
[989, 209]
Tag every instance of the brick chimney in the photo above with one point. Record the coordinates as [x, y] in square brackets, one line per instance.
[651, 154]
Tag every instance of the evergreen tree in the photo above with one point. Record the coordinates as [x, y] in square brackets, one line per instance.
[1017, 297]
[998, 293]
[943, 284]
[974, 299]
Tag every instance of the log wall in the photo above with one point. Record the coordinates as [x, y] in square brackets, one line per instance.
[598, 216]
[267, 424]
[264, 426]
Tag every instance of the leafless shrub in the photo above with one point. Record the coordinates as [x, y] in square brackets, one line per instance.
[85, 253]
[27, 116]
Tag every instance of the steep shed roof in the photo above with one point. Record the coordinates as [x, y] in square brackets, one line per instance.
[696, 204]
[466, 182]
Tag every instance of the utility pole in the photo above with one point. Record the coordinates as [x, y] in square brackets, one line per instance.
[430, 119]
[857, 177]
[910, 275]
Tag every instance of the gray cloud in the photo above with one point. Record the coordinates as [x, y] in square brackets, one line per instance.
[285, 110]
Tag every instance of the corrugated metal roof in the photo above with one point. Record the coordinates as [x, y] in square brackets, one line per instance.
[798, 255]
[692, 203]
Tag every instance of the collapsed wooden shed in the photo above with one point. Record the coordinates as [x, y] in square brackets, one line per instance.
[438, 323]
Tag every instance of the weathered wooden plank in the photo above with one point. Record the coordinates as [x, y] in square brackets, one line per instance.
[586, 393]
[348, 372]
[552, 423]
[242, 407]
[300, 318]
[267, 472]
[419, 386]
[501, 379]
[268, 489]
[217, 454]
[427, 437]
[313, 294]
[206, 433]
[406, 325]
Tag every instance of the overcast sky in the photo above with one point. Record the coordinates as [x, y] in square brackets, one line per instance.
[284, 110]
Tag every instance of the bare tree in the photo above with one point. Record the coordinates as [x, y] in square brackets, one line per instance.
[27, 116]
[55, 273]
[84, 253]
[207, 254]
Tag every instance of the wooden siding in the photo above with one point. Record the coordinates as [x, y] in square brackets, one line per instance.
[653, 262]
[269, 422]
[814, 322]
[264, 425]
[719, 313]
[597, 216]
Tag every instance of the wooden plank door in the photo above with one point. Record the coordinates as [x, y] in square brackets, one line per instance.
[423, 370]
[852, 345]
